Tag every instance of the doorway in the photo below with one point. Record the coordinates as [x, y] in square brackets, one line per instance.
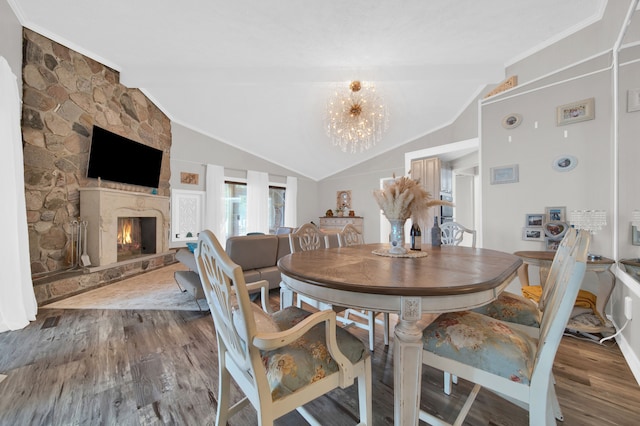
[463, 158]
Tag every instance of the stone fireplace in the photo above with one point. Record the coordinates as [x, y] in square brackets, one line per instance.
[123, 225]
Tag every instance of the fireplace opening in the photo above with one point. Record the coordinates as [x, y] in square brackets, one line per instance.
[136, 237]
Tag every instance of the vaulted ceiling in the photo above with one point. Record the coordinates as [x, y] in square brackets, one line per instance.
[256, 74]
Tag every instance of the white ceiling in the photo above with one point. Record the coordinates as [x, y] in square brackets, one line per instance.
[256, 74]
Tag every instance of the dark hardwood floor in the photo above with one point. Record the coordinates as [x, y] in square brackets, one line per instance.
[141, 367]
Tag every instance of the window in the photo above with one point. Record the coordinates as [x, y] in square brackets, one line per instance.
[236, 208]
[276, 208]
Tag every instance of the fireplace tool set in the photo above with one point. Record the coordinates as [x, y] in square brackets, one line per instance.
[79, 256]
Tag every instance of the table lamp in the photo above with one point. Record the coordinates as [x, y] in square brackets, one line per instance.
[589, 220]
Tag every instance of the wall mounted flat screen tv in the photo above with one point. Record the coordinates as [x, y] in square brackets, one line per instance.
[115, 158]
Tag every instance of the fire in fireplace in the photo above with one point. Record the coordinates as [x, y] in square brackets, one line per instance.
[136, 237]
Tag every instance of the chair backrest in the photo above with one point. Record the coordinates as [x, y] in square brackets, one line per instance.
[350, 236]
[453, 234]
[567, 279]
[226, 293]
[305, 238]
[563, 251]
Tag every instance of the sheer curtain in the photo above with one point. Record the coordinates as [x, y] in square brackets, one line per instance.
[291, 203]
[257, 202]
[214, 216]
[18, 303]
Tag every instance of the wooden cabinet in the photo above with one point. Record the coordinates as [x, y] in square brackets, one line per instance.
[335, 224]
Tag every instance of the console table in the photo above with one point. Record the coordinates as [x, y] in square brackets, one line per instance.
[336, 223]
[601, 267]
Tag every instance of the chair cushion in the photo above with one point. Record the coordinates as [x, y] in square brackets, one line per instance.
[307, 360]
[513, 308]
[482, 342]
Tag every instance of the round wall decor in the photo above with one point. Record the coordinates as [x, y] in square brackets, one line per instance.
[564, 163]
[511, 121]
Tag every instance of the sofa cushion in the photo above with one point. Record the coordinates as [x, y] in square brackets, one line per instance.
[253, 251]
[271, 274]
[251, 276]
[284, 248]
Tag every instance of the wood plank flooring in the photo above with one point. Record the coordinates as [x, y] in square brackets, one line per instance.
[144, 367]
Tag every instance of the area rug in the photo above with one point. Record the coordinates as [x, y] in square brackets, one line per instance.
[2, 377]
[156, 289]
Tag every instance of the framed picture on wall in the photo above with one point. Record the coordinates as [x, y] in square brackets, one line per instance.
[576, 111]
[533, 220]
[635, 236]
[552, 245]
[555, 214]
[633, 100]
[532, 234]
[504, 174]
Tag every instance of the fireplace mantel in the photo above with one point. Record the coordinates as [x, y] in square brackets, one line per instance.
[101, 207]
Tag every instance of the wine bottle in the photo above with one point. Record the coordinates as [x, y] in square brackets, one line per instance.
[418, 238]
[436, 236]
[412, 234]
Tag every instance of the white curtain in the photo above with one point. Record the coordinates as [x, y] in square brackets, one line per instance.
[214, 216]
[257, 202]
[18, 303]
[291, 203]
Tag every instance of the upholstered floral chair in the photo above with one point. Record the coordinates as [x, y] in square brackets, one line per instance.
[282, 360]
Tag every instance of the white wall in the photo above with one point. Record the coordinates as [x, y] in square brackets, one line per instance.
[11, 40]
[191, 151]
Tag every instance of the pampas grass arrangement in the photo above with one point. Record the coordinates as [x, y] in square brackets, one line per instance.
[404, 198]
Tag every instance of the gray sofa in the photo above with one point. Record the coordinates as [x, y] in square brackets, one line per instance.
[257, 255]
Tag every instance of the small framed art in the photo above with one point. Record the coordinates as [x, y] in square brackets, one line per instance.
[533, 220]
[555, 230]
[635, 236]
[552, 245]
[532, 234]
[633, 100]
[504, 174]
[575, 112]
[555, 214]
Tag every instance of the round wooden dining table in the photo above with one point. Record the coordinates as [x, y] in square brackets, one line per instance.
[443, 279]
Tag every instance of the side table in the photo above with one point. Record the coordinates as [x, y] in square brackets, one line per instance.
[601, 267]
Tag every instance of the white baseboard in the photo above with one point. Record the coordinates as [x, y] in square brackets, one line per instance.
[629, 356]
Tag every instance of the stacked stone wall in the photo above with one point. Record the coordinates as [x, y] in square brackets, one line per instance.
[64, 95]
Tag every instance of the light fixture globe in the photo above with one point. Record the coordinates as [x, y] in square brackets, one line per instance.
[356, 116]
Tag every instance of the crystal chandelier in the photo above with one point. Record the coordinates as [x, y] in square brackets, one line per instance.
[356, 117]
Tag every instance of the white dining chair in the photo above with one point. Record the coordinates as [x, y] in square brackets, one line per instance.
[510, 363]
[350, 236]
[522, 313]
[308, 237]
[452, 233]
[253, 345]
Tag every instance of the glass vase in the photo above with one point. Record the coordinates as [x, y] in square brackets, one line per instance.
[396, 237]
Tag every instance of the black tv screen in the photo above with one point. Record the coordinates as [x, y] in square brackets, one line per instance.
[118, 159]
